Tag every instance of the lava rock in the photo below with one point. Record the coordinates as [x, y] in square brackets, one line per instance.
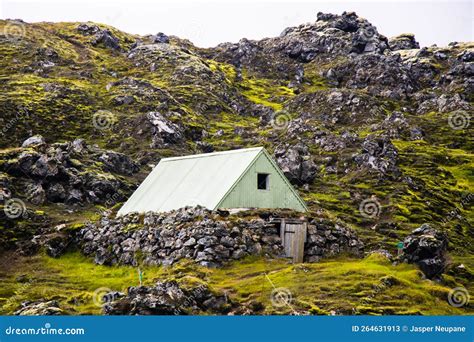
[39, 308]
[112, 296]
[404, 41]
[57, 245]
[56, 193]
[35, 194]
[379, 154]
[35, 140]
[66, 172]
[166, 298]
[164, 131]
[160, 37]
[118, 163]
[324, 238]
[106, 38]
[87, 29]
[426, 247]
[296, 163]
[124, 100]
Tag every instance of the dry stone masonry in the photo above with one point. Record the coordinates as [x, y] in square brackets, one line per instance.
[209, 237]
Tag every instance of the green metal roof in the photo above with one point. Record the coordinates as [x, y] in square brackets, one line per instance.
[201, 179]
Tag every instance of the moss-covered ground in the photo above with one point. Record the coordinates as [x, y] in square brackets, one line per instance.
[334, 286]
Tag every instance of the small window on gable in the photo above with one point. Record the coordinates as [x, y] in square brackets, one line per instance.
[263, 181]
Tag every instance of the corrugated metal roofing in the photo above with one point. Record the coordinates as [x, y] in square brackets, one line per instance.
[201, 179]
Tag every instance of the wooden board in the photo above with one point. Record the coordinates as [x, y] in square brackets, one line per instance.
[298, 243]
[293, 237]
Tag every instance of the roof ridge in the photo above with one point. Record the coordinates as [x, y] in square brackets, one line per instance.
[202, 155]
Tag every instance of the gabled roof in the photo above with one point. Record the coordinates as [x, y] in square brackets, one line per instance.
[200, 179]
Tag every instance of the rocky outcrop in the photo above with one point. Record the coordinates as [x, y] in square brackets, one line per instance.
[379, 154]
[426, 247]
[396, 126]
[118, 163]
[39, 308]
[72, 173]
[100, 36]
[160, 37]
[334, 35]
[164, 131]
[404, 41]
[384, 75]
[296, 163]
[168, 298]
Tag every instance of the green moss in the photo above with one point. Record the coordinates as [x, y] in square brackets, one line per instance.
[227, 69]
[372, 285]
[265, 92]
[72, 279]
[338, 285]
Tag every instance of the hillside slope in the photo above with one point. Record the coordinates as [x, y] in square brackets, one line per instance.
[374, 132]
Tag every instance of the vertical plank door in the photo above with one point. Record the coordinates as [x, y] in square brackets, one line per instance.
[293, 238]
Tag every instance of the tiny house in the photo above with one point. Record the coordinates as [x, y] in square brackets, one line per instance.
[236, 179]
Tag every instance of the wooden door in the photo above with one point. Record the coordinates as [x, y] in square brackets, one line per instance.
[293, 237]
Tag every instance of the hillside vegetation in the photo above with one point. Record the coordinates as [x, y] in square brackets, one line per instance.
[375, 133]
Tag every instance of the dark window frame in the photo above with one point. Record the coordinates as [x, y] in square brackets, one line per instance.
[263, 181]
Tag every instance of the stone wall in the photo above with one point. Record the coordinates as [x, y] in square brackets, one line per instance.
[327, 239]
[208, 237]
